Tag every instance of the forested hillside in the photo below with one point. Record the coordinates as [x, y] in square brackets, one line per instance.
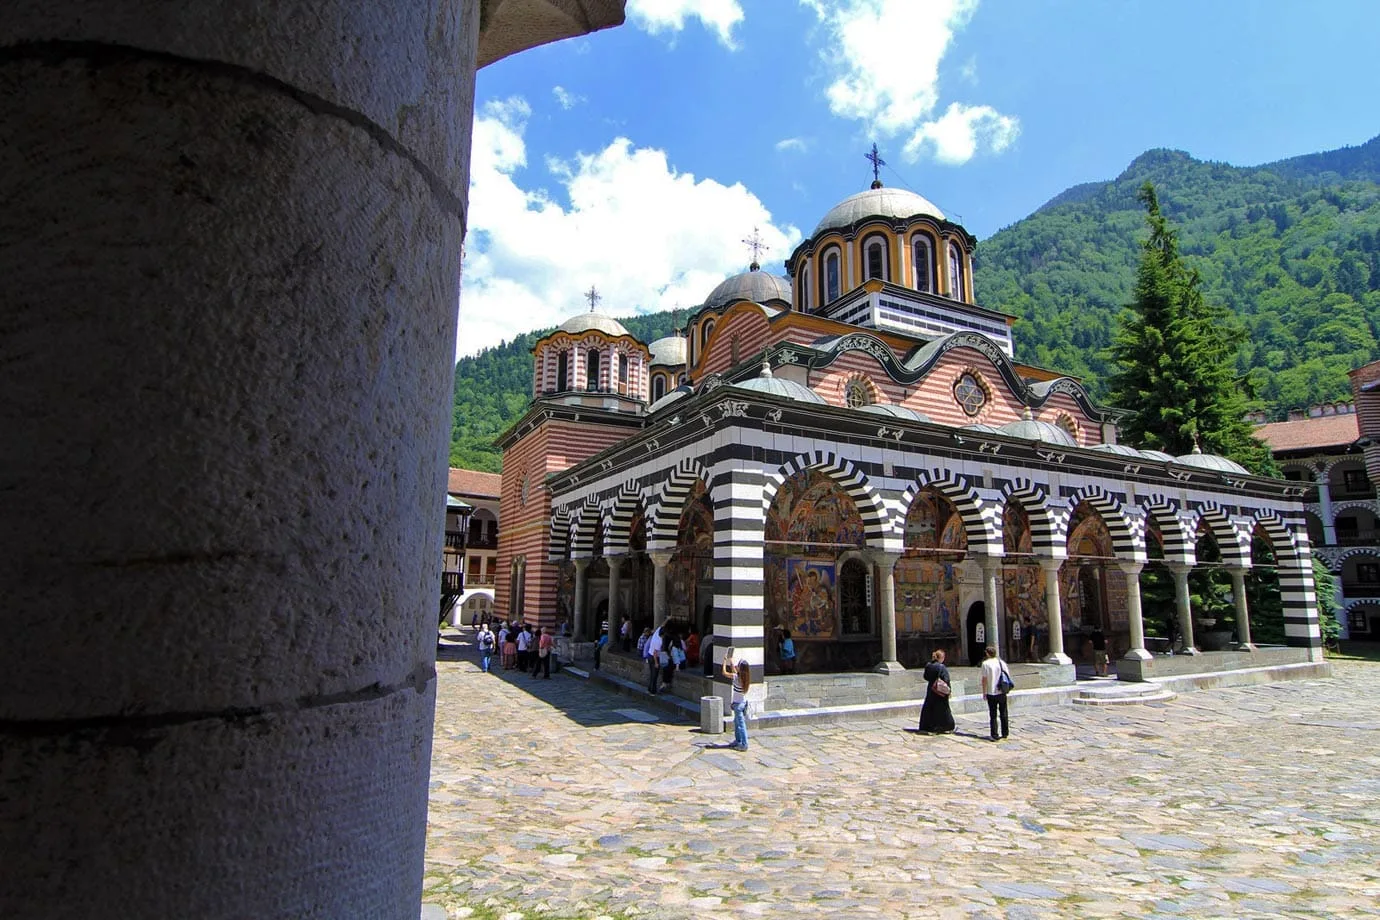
[1291, 248]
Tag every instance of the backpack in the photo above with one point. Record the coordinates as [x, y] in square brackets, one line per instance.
[486, 642]
[1004, 683]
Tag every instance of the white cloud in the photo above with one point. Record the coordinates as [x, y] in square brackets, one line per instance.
[969, 70]
[566, 98]
[796, 144]
[648, 237]
[886, 56]
[956, 136]
[669, 16]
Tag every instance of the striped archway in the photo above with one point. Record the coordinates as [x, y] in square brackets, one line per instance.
[1045, 526]
[980, 518]
[1127, 532]
[1294, 564]
[1179, 544]
[1234, 544]
[664, 514]
[878, 529]
[558, 540]
[625, 507]
[587, 521]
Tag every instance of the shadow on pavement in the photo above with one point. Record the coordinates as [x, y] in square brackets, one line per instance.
[582, 702]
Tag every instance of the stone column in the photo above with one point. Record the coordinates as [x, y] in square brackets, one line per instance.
[886, 595]
[577, 628]
[1243, 613]
[1325, 507]
[615, 600]
[659, 563]
[991, 572]
[1134, 615]
[1185, 611]
[1054, 612]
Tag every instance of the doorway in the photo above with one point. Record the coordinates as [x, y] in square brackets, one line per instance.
[976, 631]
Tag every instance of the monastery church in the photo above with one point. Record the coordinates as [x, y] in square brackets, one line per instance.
[852, 453]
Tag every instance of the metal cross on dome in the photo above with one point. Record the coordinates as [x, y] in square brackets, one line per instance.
[755, 243]
[877, 163]
[592, 295]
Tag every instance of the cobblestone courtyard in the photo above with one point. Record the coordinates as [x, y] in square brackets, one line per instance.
[553, 798]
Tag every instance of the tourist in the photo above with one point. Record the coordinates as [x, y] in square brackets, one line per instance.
[625, 634]
[1099, 649]
[692, 648]
[524, 647]
[740, 673]
[936, 717]
[996, 683]
[676, 654]
[602, 641]
[787, 652]
[485, 641]
[509, 651]
[534, 649]
[545, 649]
[502, 643]
[652, 653]
[642, 642]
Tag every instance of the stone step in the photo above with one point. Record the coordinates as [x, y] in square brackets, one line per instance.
[1120, 694]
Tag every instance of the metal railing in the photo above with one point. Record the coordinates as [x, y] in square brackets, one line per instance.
[452, 582]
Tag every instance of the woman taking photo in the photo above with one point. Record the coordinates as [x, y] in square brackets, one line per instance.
[740, 672]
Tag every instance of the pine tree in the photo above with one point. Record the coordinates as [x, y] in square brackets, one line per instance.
[1176, 355]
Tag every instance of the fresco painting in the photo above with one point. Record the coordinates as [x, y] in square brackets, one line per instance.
[1023, 581]
[693, 562]
[1081, 589]
[807, 521]
[928, 576]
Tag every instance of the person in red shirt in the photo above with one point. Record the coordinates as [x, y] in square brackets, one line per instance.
[545, 649]
[692, 648]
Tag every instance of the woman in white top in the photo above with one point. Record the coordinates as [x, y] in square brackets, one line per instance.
[740, 672]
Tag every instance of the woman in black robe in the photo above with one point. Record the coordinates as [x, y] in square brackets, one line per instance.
[935, 715]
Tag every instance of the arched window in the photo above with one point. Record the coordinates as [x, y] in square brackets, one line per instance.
[733, 350]
[592, 371]
[831, 276]
[805, 292]
[924, 264]
[705, 329]
[857, 394]
[563, 371]
[623, 374]
[658, 387]
[875, 258]
[970, 393]
[955, 273]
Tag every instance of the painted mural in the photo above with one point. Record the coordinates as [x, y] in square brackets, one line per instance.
[1023, 586]
[693, 563]
[928, 576]
[808, 521]
[1082, 587]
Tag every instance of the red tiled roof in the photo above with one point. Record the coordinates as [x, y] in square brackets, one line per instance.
[473, 482]
[1323, 431]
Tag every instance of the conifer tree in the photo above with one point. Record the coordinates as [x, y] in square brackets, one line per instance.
[1176, 355]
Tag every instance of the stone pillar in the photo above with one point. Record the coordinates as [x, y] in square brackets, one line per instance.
[1134, 615]
[659, 563]
[1243, 613]
[581, 585]
[1185, 611]
[886, 595]
[991, 572]
[1054, 612]
[1325, 507]
[615, 601]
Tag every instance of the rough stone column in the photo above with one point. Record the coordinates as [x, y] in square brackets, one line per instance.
[991, 570]
[228, 290]
[886, 567]
[615, 604]
[1181, 603]
[659, 563]
[1134, 615]
[1243, 613]
[581, 585]
[1054, 612]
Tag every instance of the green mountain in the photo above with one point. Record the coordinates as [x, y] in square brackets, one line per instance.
[1291, 248]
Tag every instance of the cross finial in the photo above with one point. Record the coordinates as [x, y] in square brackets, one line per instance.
[877, 164]
[592, 295]
[755, 243]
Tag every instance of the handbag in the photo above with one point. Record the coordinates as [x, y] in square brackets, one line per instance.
[941, 687]
[1004, 683]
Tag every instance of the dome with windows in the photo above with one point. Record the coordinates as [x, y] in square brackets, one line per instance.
[1214, 462]
[668, 351]
[877, 202]
[754, 285]
[594, 322]
[895, 411]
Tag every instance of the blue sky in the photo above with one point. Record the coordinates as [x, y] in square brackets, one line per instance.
[638, 158]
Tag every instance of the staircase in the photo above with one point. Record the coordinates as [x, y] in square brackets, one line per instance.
[1116, 693]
